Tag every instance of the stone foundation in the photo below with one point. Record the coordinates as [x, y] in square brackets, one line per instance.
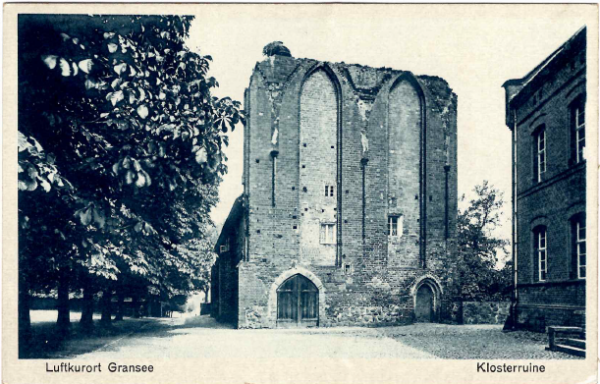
[485, 312]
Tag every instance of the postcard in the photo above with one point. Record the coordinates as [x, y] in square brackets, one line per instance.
[300, 193]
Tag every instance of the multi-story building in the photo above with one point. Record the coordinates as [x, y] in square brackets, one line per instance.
[350, 199]
[545, 110]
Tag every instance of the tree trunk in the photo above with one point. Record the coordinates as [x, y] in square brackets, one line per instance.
[63, 322]
[136, 307]
[106, 307]
[24, 318]
[120, 304]
[87, 313]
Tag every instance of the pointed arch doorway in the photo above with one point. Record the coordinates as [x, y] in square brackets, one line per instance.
[297, 303]
[427, 293]
[424, 308]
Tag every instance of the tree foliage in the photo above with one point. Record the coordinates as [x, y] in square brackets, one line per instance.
[120, 150]
[276, 48]
[486, 273]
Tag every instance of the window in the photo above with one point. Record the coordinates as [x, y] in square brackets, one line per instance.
[577, 108]
[395, 226]
[540, 153]
[541, 250]
[579, 248]
[580, 132]
[225, 247]
[327, 235]
[328, 191]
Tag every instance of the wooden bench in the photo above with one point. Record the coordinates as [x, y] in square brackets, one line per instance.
[569, 340]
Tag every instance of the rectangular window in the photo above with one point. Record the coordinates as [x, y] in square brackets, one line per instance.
[395, 226]
[541, 154]
[580, 246]
[542, 254]
[580, 132]
[328, 191]
[225, 247]
[327, 235]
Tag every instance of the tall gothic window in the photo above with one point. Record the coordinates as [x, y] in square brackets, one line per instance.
[318, 167]
[404, 167]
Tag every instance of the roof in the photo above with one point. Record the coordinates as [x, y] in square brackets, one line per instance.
[235, 215]
[519, 90]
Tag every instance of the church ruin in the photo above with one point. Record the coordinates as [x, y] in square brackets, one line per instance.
[348, 215]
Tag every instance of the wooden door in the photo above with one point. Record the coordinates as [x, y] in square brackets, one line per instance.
[297, 302]
[424, 312]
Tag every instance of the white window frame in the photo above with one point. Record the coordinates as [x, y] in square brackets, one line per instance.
[392, 222]
[395, 222]
[327, 233]
[542, 254]
[329, 190]
[580, 133]
[580, 241]
[541, 153]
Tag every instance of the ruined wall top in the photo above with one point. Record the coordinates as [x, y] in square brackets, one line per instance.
[279, 67]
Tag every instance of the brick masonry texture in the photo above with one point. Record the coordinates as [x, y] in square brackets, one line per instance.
[547, 101]
[386, 141]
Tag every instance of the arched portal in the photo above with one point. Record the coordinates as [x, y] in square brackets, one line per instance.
[424, 308]
[427, 294]
[298, 302]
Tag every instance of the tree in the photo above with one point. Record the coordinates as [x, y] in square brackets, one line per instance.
[129, 143]
[276, 48]
[486, 273]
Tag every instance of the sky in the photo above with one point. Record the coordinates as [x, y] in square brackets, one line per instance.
[475, 48]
